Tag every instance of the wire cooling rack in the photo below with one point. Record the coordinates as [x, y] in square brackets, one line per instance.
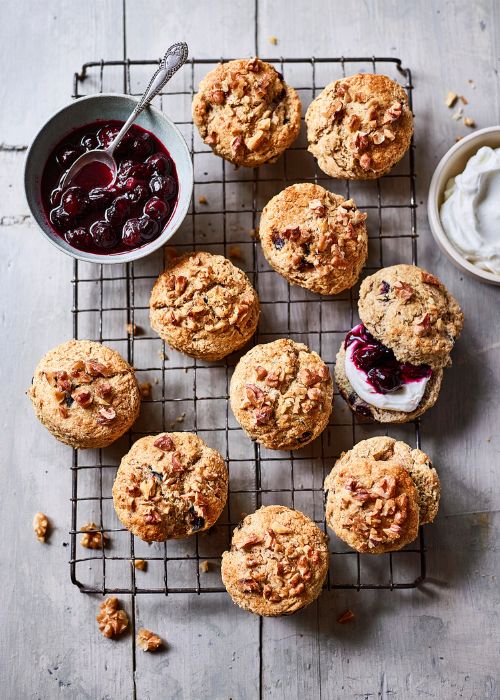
[110, 304]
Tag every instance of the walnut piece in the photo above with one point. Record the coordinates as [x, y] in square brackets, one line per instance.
[148, 641]
[112, 620]
[40, 526]
[145, 390]
[347, 616]
[204, 567]
[93, 538]
[140, 564]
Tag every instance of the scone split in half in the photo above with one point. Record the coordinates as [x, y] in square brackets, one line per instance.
[277, 563]
[390, 366]
[378, 494]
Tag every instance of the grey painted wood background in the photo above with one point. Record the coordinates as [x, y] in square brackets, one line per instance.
[441, 641]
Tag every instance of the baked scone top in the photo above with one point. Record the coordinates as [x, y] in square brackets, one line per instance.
[412, 313]
[246, 112]
[372, 505]
[281, 394]
[170, 486]
[204, 306]
[314, 238]
[85, 393]
[359, 127]
[416, 463]
[277, 562]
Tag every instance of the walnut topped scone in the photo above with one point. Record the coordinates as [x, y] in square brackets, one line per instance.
[277, 563]
[204, 306]
[379, 493]
[281, 394]
[170, 486]
[359, 127]
[246, 112]
[390, 366]
[85, 394]
[314, 238]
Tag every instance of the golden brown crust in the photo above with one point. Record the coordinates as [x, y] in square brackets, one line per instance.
[170, 486]
[314, 238]
[246, 112]
[85, 394]
[359, 127]
[204, 306]
[277, 563]
[384, 415]
[281, 394]
[372, 506]
[411, 312]
[417, 464]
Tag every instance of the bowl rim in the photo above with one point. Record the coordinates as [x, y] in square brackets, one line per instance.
[134, 254]
[433, 205]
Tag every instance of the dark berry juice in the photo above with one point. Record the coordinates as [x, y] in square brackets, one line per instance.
[97, 215]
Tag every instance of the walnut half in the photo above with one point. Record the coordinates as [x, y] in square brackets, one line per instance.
[93, 538]
[40, 526]
[111, 619]
[148, 641]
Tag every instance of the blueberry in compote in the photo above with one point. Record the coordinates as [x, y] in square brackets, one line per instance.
[92, 212]
[149, 228]
[74, 201]
[131, 233]
[368, 356]
[118, 211]
[68, 155]
[163, 186]
[385, 378]
[103, 235]
[79, 237]
[160, 163]
[156, 208]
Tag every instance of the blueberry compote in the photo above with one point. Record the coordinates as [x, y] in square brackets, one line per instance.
[383, 371]
[98, 215]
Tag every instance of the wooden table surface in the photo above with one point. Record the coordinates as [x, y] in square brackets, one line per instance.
[439, 641]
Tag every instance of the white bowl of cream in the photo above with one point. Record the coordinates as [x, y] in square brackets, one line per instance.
[464, 204]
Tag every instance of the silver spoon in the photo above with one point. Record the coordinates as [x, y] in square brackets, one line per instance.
[174, 58]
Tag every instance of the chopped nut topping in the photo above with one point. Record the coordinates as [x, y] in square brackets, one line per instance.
[421, 325]
[147, 640]
[427, 278]
[262, 415]
[93, 538]
[450, 100]
[140, 564]
[97, 369]
[40, 526]
[83, 397]
[204, 567]
[106, 415]
[261, 372]
[63, 411]
[238, 146]
[112, 619]
[255, 395]
[469, 122]
[292, 234]
[365, 161]
[317, 207]
[104, 390]
[378, 137]
[393, 113]
[131, 329]
[403, 290]
[164, 443]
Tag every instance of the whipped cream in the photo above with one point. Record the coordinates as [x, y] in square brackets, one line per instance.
[405, 399]
[470, 214]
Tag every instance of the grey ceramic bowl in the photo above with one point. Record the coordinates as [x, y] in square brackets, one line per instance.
[85, 111]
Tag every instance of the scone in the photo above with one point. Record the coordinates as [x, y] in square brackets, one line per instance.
[204, 306]
[390, 366]
[170, 486]
[85, 394]
[314, 238]
[246, 112]
[359, 127]
[277, 563]
[281, 394]
[378, 494]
